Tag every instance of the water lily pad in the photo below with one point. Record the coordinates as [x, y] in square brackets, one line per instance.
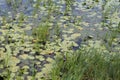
[25, 67]
[24, 56]
[69, 31]
[14, 69]
[41, 58]
[85, 23]
[38, 75]
[29, 77]
[50, 59]
[2, 55]
[47, 52]
[75, 35]
[31, 57]
[2, 49]
[13, 61]
[47, 68]
[79, 28]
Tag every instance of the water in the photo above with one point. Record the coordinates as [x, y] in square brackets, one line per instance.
[91, 18]
[23, 47]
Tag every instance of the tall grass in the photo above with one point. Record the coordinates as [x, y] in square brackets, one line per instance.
[91, 64]
[68, 4]
[41, 32]
[110, 16]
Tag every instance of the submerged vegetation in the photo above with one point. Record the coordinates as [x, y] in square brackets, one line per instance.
[59, 40]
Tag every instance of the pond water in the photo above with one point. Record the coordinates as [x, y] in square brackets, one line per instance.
[91, 16]
[26, 8]
[83, 21]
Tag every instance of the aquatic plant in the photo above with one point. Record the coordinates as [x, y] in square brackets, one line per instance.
[110, 13]
[68, 4]
[110, 17]
[36, 6]
[41, 33]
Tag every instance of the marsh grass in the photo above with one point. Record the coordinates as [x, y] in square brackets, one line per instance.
[109, 40]
[110, 12]
[57, 31]
[91, 64]
[6, 72]
[4, 19]
[68, 4]
[36, 7]
[41, 33]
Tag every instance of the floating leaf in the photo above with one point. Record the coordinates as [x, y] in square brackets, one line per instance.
[13, 61]
[14, 69]
[75, 35]
[39, 75]
[24, 56]
[47, 52]
[41, 58]
[29, 77]
[50, 59]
